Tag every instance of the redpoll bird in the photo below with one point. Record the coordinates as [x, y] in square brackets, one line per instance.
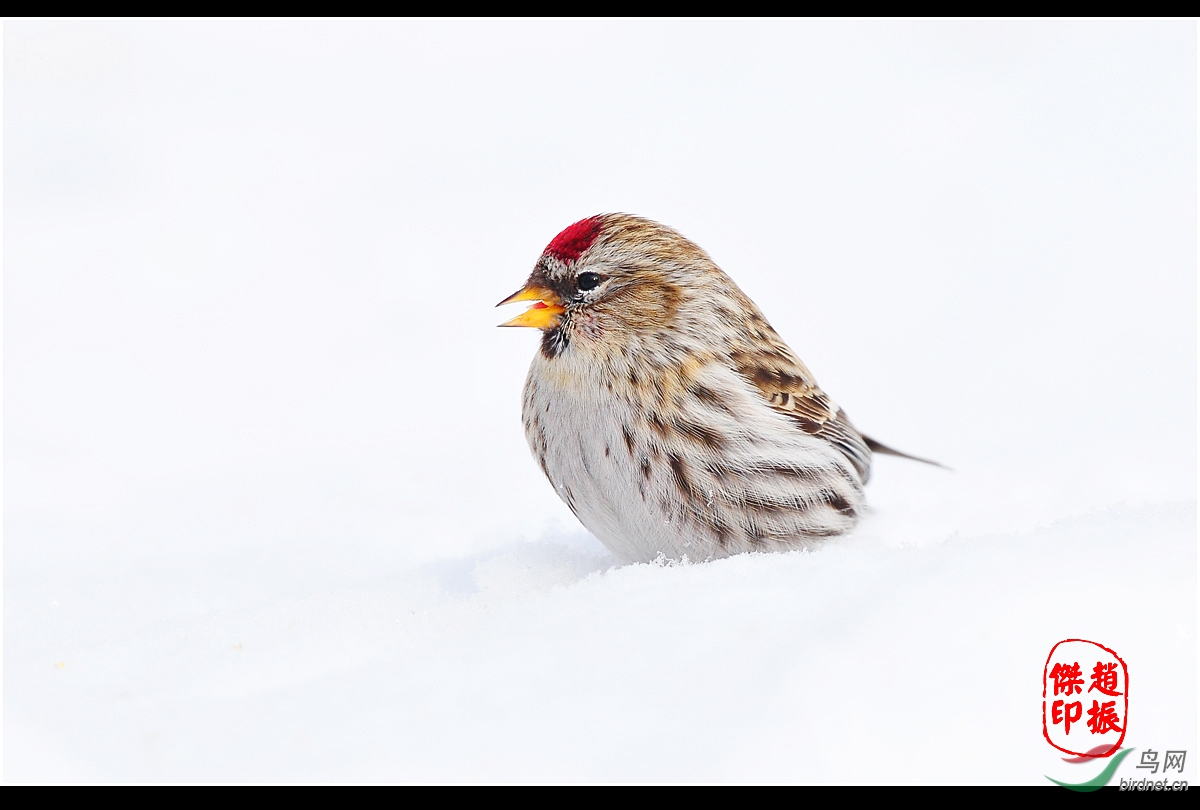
[667, 412]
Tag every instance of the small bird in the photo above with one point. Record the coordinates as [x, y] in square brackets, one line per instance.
[667, 413]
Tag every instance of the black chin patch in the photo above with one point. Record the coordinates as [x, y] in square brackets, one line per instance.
[554, 342]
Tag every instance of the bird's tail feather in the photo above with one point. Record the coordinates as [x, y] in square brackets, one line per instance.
[878, 447]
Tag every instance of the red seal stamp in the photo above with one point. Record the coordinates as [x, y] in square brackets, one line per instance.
[1085, 698]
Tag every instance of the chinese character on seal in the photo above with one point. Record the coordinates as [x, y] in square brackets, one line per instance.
[1082, 721]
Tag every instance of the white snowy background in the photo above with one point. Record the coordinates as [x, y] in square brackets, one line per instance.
[268, 510]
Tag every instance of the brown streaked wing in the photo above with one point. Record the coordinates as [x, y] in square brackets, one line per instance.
[788, 389]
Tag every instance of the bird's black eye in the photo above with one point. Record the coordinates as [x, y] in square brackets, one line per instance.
[587, 281]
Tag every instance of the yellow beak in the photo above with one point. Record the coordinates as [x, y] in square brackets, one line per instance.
[542, 315]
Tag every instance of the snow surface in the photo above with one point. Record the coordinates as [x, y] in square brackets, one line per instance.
[269, 514]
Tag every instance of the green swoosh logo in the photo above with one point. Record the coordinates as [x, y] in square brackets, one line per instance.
[1101, 779]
